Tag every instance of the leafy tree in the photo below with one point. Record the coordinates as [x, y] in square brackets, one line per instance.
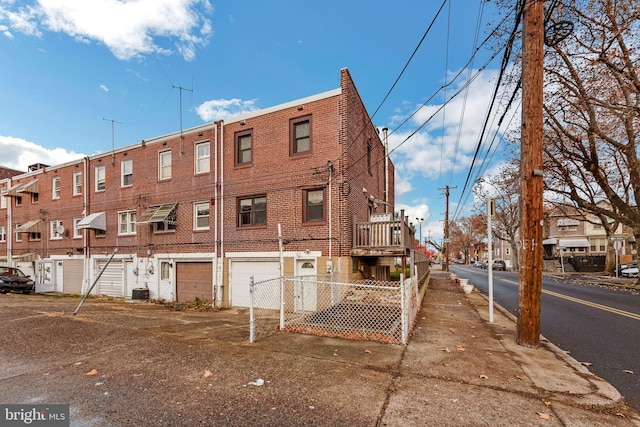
[466, 233]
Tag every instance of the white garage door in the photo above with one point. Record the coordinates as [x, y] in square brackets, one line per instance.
[111, 283]
[72, 276]
[240, 280]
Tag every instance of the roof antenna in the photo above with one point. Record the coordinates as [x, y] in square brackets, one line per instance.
[181, 89]
[113, 148]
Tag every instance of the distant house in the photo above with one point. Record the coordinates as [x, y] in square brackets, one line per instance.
[570, 232]
[200, 212]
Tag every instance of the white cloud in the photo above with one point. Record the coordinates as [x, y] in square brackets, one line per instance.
[128, 28]
[18, 154]
[104, 88]
[444, 143]
[220, 109]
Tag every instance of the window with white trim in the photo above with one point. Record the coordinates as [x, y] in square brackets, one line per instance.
[164, 165]
[77, 183]
[18, 235]
[201, 216]
[3, 202]
[77, 232]
[127, 222]
[100, 178]
[3, 233]
[55, 187]
[57, 230]
[202, 154]
[126, 173]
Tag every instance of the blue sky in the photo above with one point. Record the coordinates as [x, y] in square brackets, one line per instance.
[67, 65]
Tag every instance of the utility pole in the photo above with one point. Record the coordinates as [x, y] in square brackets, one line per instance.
[445, 242]
[528, 327]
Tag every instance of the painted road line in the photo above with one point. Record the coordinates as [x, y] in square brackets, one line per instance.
[584, 302]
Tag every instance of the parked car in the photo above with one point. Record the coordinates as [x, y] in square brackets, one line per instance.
[632, 264]
[630, 272]
[483, 264]
[13, 279]
[499, 264]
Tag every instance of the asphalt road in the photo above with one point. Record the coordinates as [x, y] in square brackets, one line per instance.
[596, 323]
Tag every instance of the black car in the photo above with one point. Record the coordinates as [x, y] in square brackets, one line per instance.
[499, 264]
[13, 279]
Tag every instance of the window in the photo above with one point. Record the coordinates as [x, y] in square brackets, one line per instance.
[244, 146]
[164, 165]
[169, 223]
[126, 172]
[18, 200]
[77, 232]
[77, 183]
[3, 233]
[3, 202]
[100, 178]
[202, 153]
[34, 198]
[127, 222]
[35, 236]
[300, 134]
[164, 270]
[99, 233]
[57, 230]
[201, 216]
[18, 235]
[55, 188]
[252, 211]
[313, 205]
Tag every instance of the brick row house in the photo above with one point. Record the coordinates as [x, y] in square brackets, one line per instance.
[196, 213]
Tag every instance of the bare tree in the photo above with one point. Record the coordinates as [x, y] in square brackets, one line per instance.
[592, 112]
[504, 187]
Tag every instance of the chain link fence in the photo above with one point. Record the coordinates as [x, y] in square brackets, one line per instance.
[318, 305]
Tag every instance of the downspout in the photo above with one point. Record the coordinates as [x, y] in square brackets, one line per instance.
[386, 169]
[222, 199]
[330, 167]
[218, 296]
[10, 227]
[85, 234]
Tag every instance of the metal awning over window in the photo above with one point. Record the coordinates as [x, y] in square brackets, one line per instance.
[29, 227]
[29, 187]
[551, 241]
[159, 213]
[97, 221]
[573, 243]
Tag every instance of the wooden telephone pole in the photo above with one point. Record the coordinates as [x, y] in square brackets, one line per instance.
[528, 333]
[445, 242]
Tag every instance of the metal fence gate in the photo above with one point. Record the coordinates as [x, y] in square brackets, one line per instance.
[318, 305]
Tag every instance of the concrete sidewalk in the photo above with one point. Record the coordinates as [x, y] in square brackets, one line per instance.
[459, 369]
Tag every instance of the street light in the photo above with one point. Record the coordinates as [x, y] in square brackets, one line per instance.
[420, 222]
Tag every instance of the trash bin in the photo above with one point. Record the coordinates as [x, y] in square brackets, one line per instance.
[140, 294]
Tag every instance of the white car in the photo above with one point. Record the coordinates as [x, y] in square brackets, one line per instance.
[630, 272]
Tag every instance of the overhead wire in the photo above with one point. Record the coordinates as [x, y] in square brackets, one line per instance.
[505, 61]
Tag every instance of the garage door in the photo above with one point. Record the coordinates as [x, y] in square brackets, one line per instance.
[240, 280]
[72, 276]
[194, 280]
[111, 283]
